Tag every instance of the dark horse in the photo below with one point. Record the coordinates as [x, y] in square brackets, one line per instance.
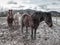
[39, 17]
[10, 18]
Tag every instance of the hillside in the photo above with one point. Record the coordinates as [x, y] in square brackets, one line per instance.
[29, 11]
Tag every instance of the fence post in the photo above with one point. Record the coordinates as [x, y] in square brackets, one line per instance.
[56, 19]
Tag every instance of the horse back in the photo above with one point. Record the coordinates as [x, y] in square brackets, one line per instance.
[27, 20]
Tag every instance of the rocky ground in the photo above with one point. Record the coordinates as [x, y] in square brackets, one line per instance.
[45, 35]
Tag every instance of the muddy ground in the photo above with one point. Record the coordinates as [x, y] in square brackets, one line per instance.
[45, 35]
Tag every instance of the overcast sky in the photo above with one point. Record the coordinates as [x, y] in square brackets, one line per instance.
[31, 4]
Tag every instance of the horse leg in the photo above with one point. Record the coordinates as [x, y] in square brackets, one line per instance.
[22, 28]
[9, 24]
[26, 31]
[34, 34]
[31, 33]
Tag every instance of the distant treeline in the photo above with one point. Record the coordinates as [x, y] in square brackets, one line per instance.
[29, 11]
[55, 13]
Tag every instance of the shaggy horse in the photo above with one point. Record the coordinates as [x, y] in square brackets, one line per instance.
[16, 19]
[10, 18]
[27, 22]
[39, 17]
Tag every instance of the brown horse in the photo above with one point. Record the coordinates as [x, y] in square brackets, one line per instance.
[10, 18]
[27, 22]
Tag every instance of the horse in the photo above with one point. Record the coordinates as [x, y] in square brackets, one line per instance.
[16, 19]
[38, 17]
[26, 21]
[10, 18]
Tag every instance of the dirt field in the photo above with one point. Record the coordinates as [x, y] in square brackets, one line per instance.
[45, 35]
